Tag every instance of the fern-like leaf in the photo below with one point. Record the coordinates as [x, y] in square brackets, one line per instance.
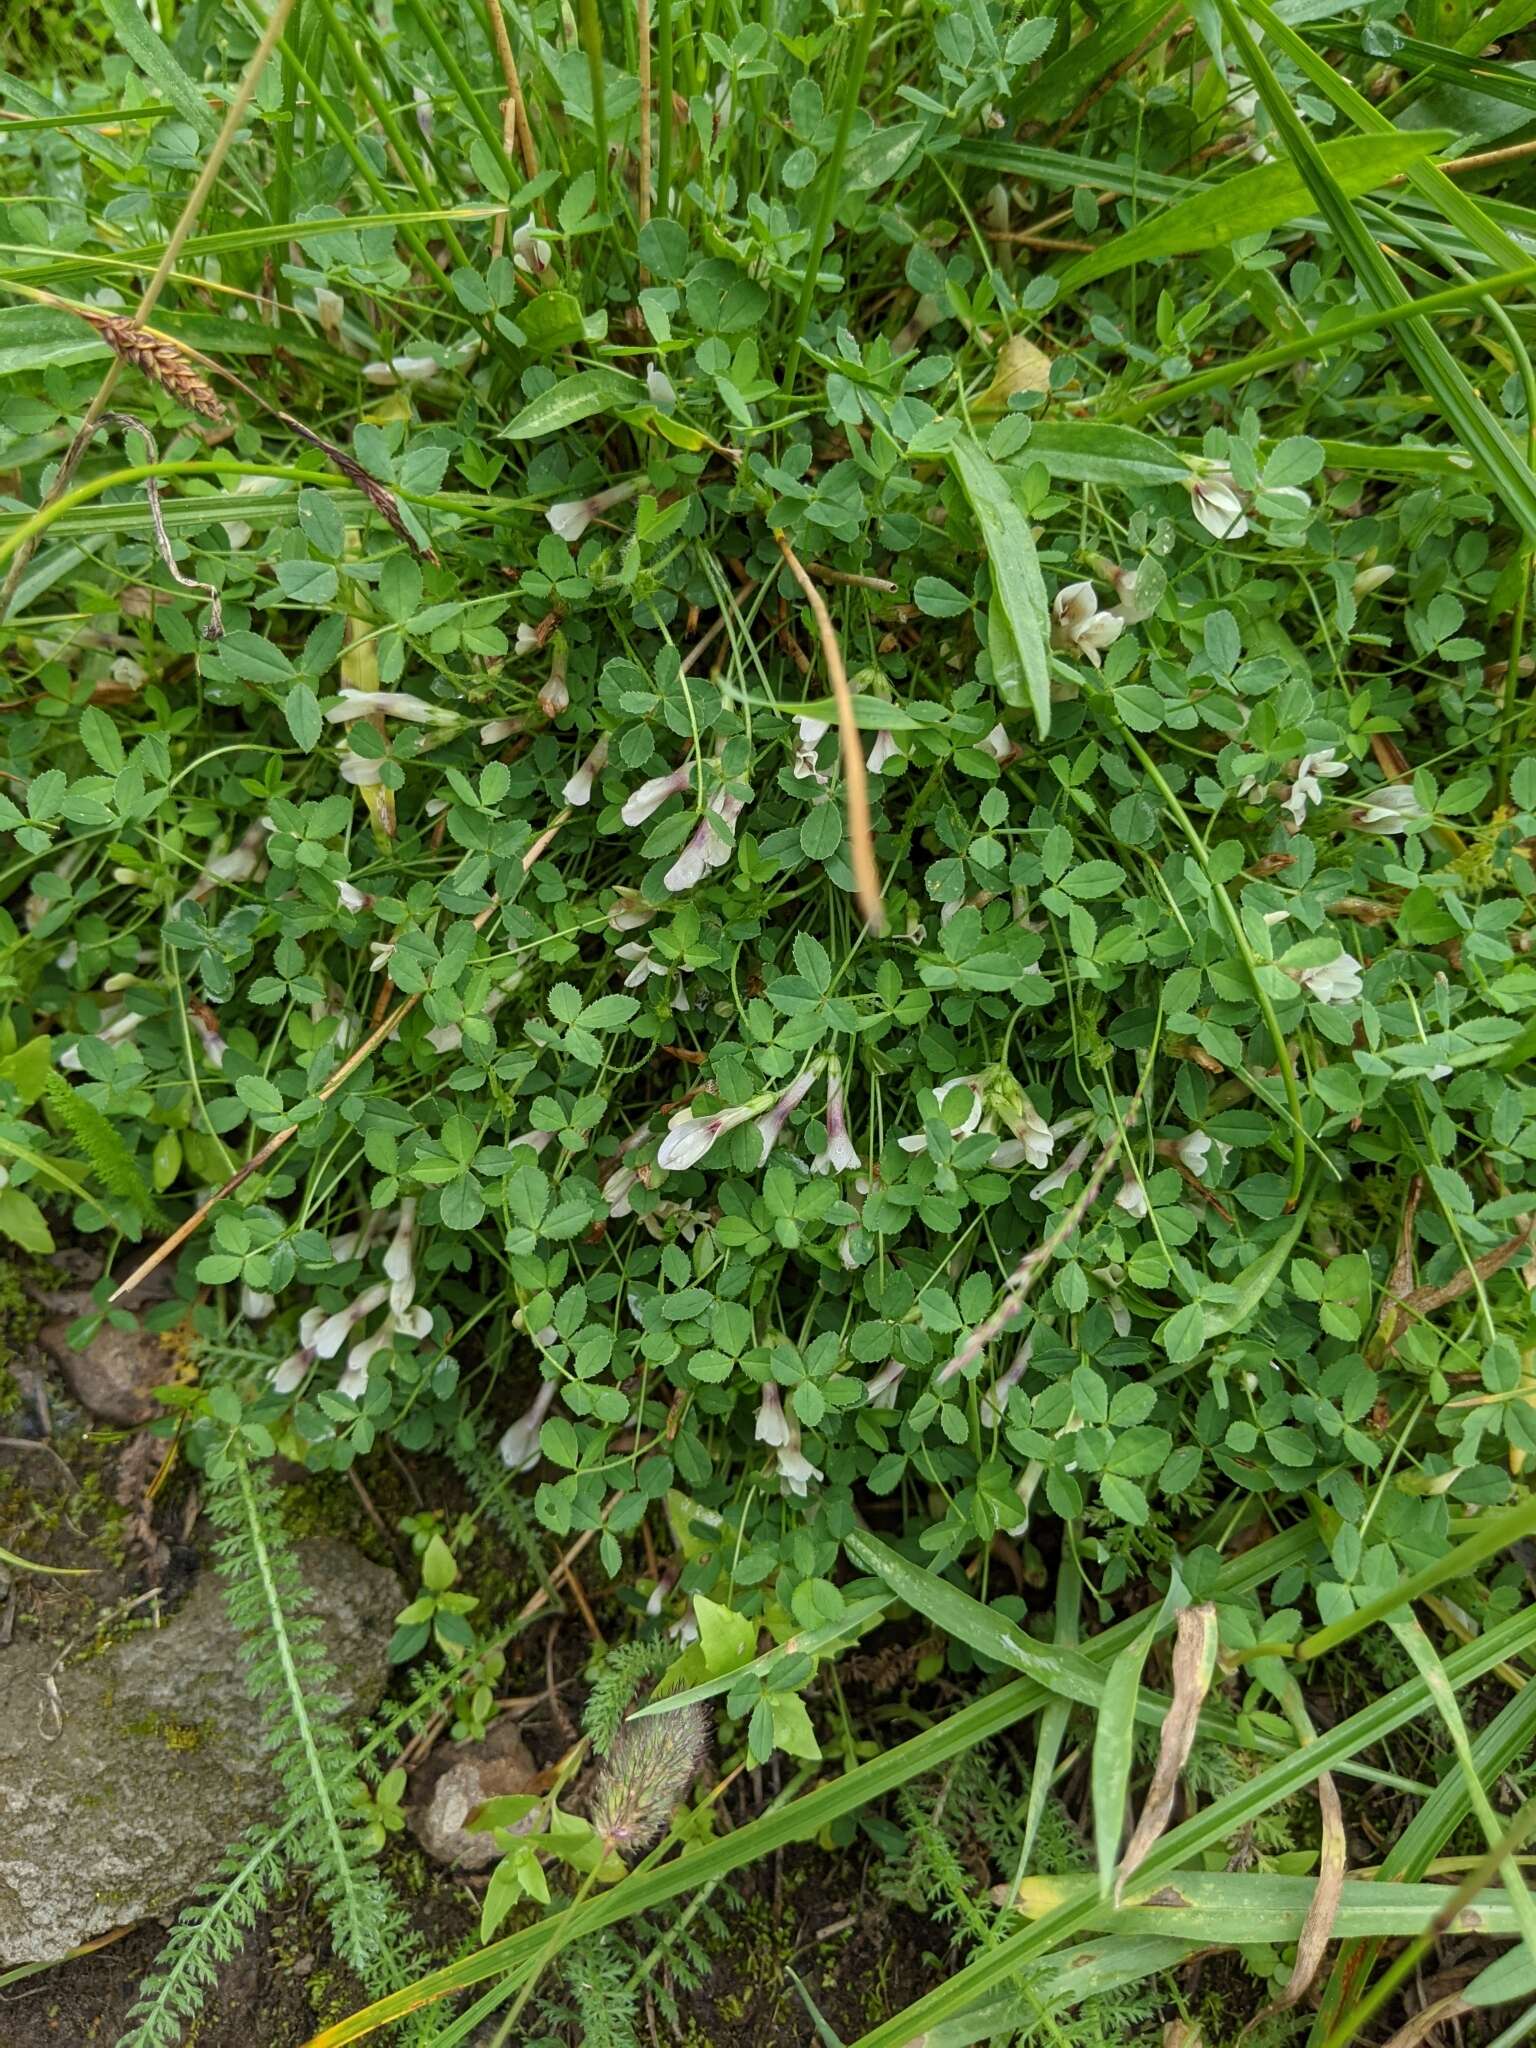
[209, 1932]
[621, 1673]
[288, 1673]
[106, 1154]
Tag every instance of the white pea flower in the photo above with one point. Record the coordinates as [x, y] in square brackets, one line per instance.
[330, 308]
[519, 1446]
[239, 864]
[1216, 504]
[350, 897]
[622, 1181]
[1194, 1152]
[380, 953]
[882, 749]
[529, 251]
[256, 1306]
[578, 790]
[881, 1391]
[999, 746]
[969, 1122]
[1132, 1198]
[400, 1260]
[708, 848]
[772, 1427]
[1063, 1173]
[359, 769]
[659, 388]
[1307, 790]
[1367, 580]
[1390, 809]
[351, 704]
[334, 1330]
[1336, 981]
[839, 1155]
[770, 1125]
[527, 638]
[645, 801]
[121, 1027]
[690, 1137]
[1131, 604]
[402, 370]
[1032, 1143]
[555, 696]
[1080, 627]
[212, 1039]
[495, 730]
[810, 732]
[629, 911]
[571, 518]
[795, 1468]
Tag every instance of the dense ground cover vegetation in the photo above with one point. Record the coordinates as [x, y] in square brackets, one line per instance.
[780, 763]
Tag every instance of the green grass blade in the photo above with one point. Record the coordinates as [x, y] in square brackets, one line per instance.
[797, 1821]
[1253, 202]
[1502, 465]
[1204, 1830]
[1227, 1908]
[1440, 191]
[1018, 603]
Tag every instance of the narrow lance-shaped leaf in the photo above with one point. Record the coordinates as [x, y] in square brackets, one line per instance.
[1113, 1752]
[1254, 202]
[1018, 614]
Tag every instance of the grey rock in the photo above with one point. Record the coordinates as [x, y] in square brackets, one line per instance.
[119, 1799]
[113, 1376]
[455, 1781]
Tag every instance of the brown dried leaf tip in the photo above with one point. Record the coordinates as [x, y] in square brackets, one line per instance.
[161, 361]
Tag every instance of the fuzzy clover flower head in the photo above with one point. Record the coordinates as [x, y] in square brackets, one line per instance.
[571, 518]
[1080, 627]
[1312, 770]
[646, 1776]
[1336, 981]
[1216, 504]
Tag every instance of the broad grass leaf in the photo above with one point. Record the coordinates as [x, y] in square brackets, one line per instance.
[1018, 606]
[572, 400]
[1254, 202]
[1114, 1744]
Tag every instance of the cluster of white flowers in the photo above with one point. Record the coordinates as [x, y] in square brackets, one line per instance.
[1080, 627]
[323, 1332]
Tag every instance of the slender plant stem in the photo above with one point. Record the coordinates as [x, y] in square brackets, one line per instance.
[213, 163]
[831, 184]
[592, 42]
[643, 55]
[664, 106]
